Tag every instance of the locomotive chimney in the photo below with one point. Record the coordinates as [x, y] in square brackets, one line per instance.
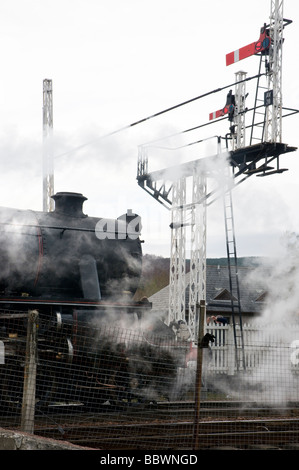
[69, 204]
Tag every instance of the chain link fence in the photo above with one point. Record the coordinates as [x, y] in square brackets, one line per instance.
[129, 384]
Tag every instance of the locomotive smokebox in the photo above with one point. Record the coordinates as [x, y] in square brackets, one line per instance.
[65, 254]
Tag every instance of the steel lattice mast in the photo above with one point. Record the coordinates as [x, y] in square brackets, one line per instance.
[48, 165]
[273, 129]
[177, 271]
[239, 120]
[197, 284]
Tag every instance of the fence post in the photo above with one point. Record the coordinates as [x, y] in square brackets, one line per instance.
[202, 311]
[28, 403]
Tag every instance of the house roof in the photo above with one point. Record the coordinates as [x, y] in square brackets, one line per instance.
[252, 293]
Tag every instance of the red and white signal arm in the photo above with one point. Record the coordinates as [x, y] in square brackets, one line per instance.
[251, 49]
[219, 113]
[228, 108]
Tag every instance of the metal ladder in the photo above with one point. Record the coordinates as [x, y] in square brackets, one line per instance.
[234, 281]
[259, 110]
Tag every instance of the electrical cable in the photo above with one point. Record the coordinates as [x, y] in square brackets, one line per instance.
[159, 113]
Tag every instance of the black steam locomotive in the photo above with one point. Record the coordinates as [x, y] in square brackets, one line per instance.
[80, 273]
[66, 255]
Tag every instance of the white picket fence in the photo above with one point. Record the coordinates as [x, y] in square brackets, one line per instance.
[263, 344]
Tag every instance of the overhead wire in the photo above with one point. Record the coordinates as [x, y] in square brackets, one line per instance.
[159, 113]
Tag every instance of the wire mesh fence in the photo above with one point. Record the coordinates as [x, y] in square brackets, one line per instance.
[110, 385]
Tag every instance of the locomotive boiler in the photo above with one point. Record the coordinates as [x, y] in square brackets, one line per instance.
[65, 254]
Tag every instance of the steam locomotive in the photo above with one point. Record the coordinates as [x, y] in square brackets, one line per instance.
[80, 273]
[65, 254]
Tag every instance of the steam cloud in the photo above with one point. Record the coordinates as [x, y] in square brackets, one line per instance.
[273, 375]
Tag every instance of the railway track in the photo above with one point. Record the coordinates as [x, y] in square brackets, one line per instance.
[170, 426]
[242, 434]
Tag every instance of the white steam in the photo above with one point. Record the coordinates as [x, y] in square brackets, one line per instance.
[275, 375]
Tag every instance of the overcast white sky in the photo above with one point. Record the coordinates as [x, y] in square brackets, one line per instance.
[114, 62]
